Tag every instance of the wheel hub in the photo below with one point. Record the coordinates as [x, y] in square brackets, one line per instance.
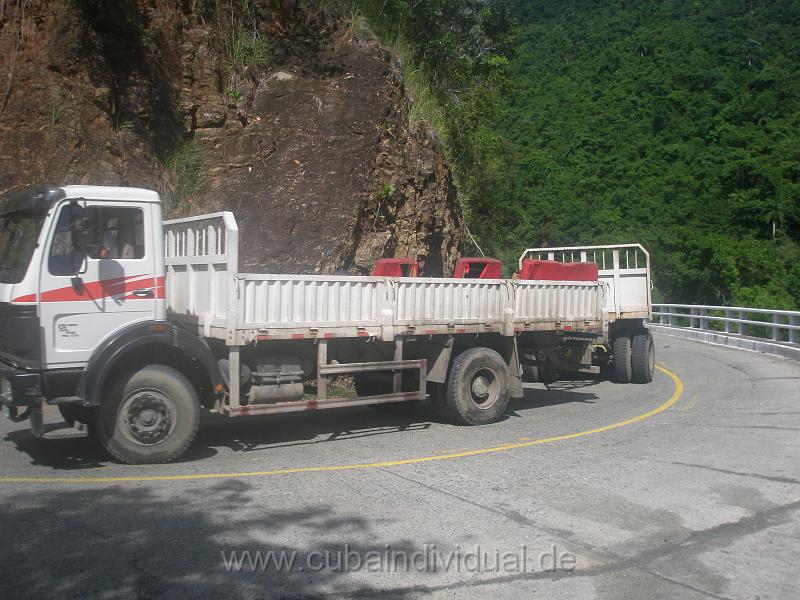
[148, 418]
[483, 387]
[480, 387]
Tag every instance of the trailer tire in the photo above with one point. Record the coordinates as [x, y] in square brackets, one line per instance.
[623, 370]
[149, 416]
[643, 357]
[478, 387]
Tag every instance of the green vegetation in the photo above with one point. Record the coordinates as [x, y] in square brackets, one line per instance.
[424, 105]
[676, 124]
[186, 174]
[385, 192]
[234, 95]
[247, 51]
[454, 56]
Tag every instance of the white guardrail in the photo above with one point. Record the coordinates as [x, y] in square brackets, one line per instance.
[781, 326]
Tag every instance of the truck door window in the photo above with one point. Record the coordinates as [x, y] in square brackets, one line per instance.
[120, 236]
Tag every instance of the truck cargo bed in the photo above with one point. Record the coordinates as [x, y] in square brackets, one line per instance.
[206, 293]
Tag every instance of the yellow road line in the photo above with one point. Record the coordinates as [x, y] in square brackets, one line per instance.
[391, 463]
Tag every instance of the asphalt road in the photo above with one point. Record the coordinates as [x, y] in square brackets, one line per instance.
[685, 488]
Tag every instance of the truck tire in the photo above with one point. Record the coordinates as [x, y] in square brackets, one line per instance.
[478, 387]
[150, 416]
[623, 371]
[643, 357]
[366, 386]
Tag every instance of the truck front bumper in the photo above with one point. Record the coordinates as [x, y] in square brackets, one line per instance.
[18, 388]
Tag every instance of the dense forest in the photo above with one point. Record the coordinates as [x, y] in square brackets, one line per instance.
[675, 124]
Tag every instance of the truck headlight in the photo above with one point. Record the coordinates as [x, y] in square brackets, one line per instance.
[5, 388]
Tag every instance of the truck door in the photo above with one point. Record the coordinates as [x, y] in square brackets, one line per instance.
[88, 294]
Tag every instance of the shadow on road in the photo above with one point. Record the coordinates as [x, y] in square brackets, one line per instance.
[298, 429]
[550, 396]
[262, 433]
[238, 435]
[145, 542]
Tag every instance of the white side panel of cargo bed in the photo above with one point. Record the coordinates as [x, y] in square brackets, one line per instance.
[201, 256]
[310, 301]
[422, 301]
[548, 301]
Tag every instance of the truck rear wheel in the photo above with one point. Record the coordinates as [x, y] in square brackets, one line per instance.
[478, 387]
[643, 357]
[623, 371]
[150, 416]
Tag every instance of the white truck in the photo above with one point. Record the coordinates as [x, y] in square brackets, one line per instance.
[133, 327]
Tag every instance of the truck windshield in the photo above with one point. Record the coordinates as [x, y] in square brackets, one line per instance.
[18, 235]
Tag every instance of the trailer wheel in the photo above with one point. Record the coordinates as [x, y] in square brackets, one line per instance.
[478, 388]
[623, 372]
[150, 416]
[643, 357]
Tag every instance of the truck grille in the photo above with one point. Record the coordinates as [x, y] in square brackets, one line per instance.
[19, 331]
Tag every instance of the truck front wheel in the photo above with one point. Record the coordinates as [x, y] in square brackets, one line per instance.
[478, 387]
[149, 416]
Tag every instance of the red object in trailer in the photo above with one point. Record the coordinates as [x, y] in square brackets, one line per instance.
[552, 270]
[478, 268]
[396, 267]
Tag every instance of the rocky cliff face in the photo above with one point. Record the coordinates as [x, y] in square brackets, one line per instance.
[305, 136]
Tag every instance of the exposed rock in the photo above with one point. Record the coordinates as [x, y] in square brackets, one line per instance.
[315, 156]
[282, 76]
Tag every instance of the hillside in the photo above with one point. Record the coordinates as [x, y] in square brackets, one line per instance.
[676, 124]
[280, 111]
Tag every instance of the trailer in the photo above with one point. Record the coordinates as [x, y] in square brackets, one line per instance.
[133, 326]
[624, 269]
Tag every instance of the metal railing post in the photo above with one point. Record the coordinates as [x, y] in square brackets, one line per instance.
[742, 317]
[793, 333]
[776, 330]
[728, 324]
[703, 322]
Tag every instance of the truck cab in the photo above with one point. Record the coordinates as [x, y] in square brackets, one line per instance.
[79, 263]
[79, 267]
